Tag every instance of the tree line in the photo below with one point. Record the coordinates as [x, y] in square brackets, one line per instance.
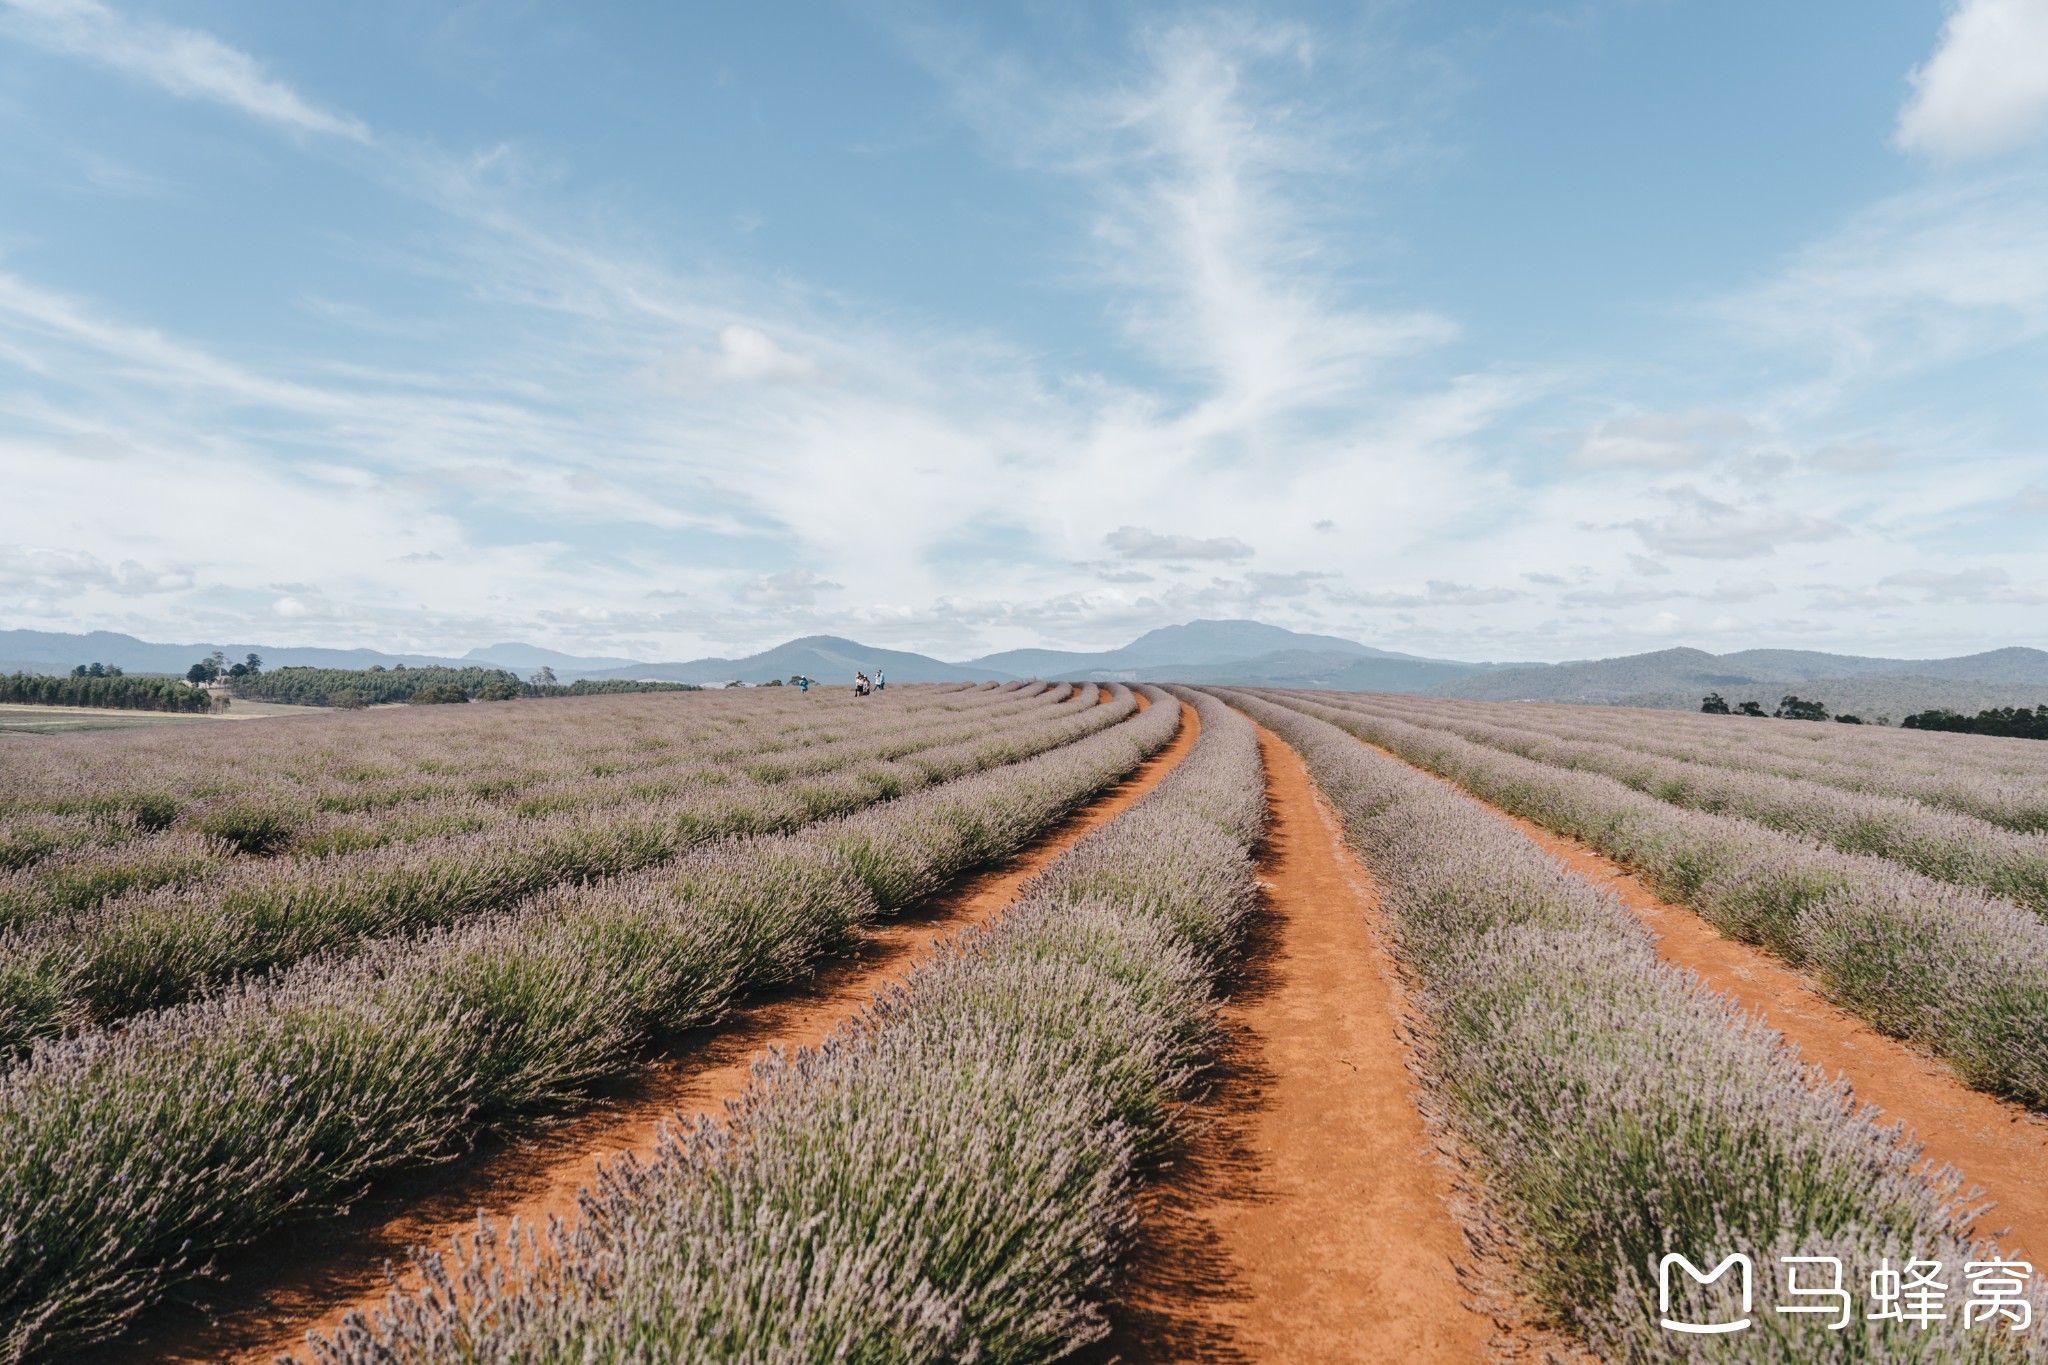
[1790, 707]
[2013, 722]
[109, 688]
[377, 685]
[98, 684]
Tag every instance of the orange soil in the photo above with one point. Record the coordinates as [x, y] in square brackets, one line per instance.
[541, 1177]
[1323, 1234]
[1998, 1147]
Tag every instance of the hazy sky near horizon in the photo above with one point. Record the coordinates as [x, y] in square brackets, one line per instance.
[1478, 328]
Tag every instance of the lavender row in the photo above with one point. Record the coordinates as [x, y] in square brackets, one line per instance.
[294, 788]
[736, 777]
[1939, 844]
[127, 1158]
[1893, 770]
[948, 1177]
[149, 951]
[156, 778]
[1960, 973]
[1613, 1110]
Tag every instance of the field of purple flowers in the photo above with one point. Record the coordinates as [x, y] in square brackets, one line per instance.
[949, 1177]
[1991, 779]
[1961, 972]
[128, 1155]
[1939, 842]
[506, 812]
[953, 1174]
[1611, 1108]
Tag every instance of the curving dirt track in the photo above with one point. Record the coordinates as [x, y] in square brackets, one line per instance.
[1998, 1147]
[341, 1265]
[1310, 1222]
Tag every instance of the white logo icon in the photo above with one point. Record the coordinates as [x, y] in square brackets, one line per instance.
[1698, 1277]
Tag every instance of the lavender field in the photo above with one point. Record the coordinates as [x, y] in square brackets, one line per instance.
[250, 974]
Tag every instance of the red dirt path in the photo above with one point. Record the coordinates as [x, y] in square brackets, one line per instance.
[1998, 1147]
[310, 1289]
[1317, 1229]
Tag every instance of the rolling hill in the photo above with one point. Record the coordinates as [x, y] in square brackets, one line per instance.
[1241, 653]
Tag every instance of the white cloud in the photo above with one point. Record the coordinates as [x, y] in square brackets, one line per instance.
[1706, 528]
[184, 62]
[745, 355]
[1943, 272]
[1853, 599]
[1854, 457]
[1985, 89]
[1683, 440]
[1742, 589]
[787, 588]
[40, 571]
[1987, 583]
[1135, 542]
[1619, 596]
[1436, 593]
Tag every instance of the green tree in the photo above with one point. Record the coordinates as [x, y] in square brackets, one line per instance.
[1792, 708]
[1714, 704]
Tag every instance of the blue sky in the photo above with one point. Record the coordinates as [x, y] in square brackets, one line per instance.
[1487, 330]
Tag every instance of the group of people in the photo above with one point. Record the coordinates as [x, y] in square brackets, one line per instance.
[862, 684]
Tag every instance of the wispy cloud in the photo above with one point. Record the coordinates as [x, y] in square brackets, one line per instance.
[184, 62]
[1684, 440]
[1924, 278]
[1135, 542]
[1701, 527]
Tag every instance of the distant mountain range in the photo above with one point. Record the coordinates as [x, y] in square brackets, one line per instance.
[1243, 653]
[1846, 682]
[44, 651]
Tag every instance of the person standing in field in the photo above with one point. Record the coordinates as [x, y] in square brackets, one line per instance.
[880, 681]
[803, 684]
[860, 684]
